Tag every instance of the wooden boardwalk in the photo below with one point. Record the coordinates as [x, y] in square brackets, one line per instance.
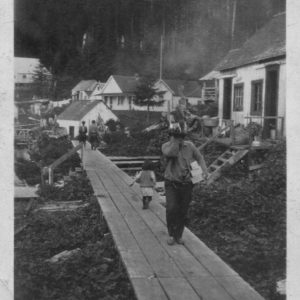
[158, 271]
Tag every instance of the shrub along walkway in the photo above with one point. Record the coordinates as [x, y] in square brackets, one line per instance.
[156, 270]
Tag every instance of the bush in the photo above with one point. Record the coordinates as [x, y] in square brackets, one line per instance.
[28, 171]
[112, 125]
[93, 273]
[243, 220]
[77, 189]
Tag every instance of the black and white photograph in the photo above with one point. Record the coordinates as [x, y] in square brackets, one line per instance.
[149, 150]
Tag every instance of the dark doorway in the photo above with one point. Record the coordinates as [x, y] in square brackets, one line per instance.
[227, 98]
[271, 99]
[71, 132]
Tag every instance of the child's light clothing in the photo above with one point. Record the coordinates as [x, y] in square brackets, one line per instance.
[147, 182]
[146, 191]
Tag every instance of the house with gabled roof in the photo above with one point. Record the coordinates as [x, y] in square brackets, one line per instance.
[97, 92]
[175, 89]
[84, 89]
[87, 111]
[25, 69]
[252, 79]
[119, 92]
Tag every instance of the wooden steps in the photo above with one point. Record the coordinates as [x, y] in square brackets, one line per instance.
[156, 270]
[226, 159]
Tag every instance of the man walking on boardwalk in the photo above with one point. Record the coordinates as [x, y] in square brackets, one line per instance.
[82, 133]
[93, 135]
[179, 155]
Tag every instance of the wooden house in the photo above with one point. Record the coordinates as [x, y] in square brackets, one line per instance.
[25, 71]
[84, 89]
[119, 92]
[252, 79]
[175, 90]
[97, 92]
[25, 68]
[209, 86]
[87, 111]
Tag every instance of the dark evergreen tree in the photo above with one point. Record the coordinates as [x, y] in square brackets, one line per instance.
[147, 95]
[123, 36]
[42, 82]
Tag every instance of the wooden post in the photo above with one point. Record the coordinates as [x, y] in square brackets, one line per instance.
[81, 152]
[282, 127]
[169, 111]
[161, 57]
[50, 176]
[233, 23]
[42, 176]
[232, 132]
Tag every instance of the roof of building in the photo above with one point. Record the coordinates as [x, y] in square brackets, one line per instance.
[77, 110]
[127, 84]
[101, 86]
[268, 42]
[85, 85]
[25, 65]
[190, 88]
[210, 76]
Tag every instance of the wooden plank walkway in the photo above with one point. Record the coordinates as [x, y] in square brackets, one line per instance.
[156, 270]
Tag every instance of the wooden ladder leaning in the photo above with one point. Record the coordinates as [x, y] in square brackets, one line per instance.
[226, 159]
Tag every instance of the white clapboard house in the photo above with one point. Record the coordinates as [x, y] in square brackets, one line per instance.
[252, 79]
[119, 93]
[87, 111]
[174, 90]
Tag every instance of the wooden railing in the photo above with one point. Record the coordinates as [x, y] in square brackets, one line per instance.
[279, 128]
[228, 126]
[60, 160]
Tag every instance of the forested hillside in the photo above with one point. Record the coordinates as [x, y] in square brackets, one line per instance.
[95, 38]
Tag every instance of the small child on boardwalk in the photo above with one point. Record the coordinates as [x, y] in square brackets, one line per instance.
[146, 179]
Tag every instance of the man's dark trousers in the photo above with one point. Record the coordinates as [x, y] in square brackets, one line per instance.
[178, 198]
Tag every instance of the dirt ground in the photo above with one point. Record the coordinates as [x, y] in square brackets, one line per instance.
[93, 272]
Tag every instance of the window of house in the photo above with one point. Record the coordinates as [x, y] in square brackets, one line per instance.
[110, 102]
[256, 97]
[120, 100]
[105, 99]
[130, 102]
[238, 97]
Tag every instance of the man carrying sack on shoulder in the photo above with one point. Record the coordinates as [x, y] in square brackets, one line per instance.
[181, 158]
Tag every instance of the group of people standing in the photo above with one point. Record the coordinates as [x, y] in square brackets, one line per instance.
[92, 134]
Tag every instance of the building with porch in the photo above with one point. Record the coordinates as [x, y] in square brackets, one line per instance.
[252, 79]
[119, 92]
